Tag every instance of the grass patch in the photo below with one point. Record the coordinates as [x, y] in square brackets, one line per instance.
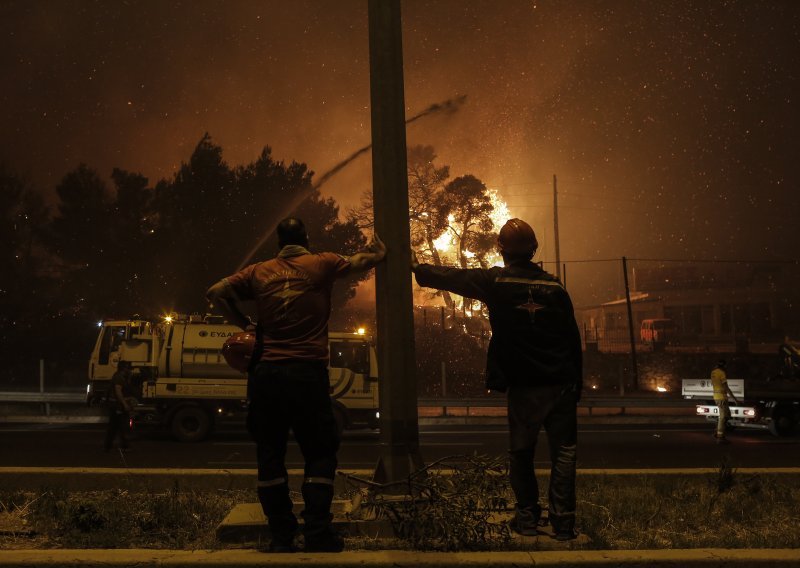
[119, 519]
[457, 510]
[722, 510]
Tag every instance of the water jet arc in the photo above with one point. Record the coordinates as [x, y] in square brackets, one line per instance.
[449, 106]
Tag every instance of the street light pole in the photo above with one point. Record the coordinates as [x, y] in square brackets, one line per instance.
[555, 226]
[399, 437]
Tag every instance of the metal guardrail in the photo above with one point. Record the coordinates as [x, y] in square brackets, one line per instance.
[44, 397]
[489, 401]
[590, 402]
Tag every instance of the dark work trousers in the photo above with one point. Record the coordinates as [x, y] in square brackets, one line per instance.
[118, 425]
[293, 395]
[555, 408]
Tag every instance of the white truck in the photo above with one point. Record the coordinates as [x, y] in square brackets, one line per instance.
[182, 381]
[770, 404]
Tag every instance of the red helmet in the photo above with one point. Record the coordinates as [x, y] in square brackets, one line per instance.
[238, 350]
[517, 239]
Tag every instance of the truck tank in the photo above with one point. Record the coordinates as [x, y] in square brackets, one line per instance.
[195, 350]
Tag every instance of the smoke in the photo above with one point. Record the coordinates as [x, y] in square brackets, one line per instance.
[450, 106]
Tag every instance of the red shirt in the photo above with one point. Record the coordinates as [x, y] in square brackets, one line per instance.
[293, 294]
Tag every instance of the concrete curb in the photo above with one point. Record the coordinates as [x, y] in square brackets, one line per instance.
[706, 557]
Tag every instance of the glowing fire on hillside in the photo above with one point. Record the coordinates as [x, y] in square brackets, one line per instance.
[447, 246]
[447, 243]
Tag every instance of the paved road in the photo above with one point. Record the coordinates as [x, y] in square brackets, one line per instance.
[600, 446]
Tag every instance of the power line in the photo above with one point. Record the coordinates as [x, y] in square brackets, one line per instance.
[712, 260]
[683, 260]
[579, 208]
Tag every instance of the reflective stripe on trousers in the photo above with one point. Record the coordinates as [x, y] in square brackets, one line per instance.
[320, 480]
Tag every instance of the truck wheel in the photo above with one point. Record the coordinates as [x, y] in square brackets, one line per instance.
[190, 424]
[783, 422]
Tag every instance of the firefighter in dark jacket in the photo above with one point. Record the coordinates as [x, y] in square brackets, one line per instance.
[535, 355]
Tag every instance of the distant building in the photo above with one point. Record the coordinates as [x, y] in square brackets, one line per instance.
[705, 301]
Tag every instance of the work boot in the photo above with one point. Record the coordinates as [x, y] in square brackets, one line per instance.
[282, 546]
[329, 541]
[277, 507]
[319, 534]
[563, 535]
[563, 527]
[525, 521]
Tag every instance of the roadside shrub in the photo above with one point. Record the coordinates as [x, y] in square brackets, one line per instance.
[457, 510]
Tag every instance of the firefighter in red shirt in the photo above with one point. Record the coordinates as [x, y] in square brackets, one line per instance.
[288, 386]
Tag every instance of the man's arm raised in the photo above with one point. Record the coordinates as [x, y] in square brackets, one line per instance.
[375, 253]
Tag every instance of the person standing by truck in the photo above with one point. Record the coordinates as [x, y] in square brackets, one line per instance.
[535, 354]
[119, 408]
[289, 386]
[722, 391]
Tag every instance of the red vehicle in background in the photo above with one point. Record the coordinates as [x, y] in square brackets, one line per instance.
[657, 330]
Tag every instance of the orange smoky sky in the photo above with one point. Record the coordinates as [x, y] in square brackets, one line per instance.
[671, 125]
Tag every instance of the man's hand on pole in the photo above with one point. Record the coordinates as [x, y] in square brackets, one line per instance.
[377, 247]
[414, 261]
[375, 253]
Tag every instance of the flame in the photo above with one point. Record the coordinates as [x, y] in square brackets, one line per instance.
[500, 214]
[446, 243]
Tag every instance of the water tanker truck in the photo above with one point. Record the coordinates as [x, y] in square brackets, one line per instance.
[181, 380]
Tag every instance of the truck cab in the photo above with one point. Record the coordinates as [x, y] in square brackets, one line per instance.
[129, 340]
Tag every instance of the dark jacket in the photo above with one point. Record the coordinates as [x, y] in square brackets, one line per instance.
[535, 340]
[121, 378]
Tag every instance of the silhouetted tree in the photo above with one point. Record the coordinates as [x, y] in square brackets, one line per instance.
[194, 221]
[266, 189]
[81, 237]
[469, 207]
[460, 209]
[103, 241]
[211, 215]
[26, 292]
[134, 240]
[11, 191]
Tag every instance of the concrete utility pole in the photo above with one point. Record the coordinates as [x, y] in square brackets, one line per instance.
[399, 439]
[631, 331]
[555, 225]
